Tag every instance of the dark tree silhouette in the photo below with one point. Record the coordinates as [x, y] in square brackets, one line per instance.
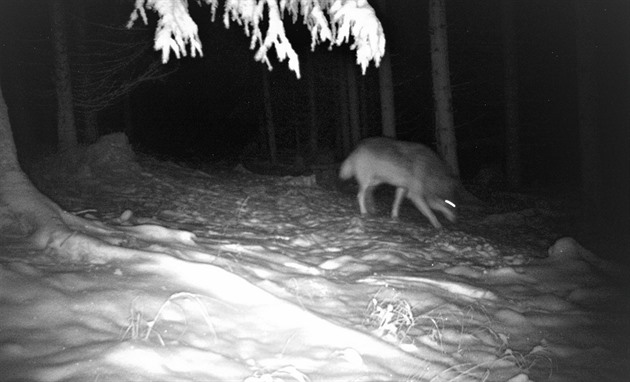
[442, 95]
[512, 128]
[66, 126]
[29, 217]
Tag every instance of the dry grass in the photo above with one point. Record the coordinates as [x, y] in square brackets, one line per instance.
[139, 328]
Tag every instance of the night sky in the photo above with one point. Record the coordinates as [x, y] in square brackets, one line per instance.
[211, 108]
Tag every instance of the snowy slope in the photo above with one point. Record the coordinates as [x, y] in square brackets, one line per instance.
[286, 283]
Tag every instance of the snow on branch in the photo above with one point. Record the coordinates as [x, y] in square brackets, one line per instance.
[175, 29]
[327, 20]
[249, 13]
[357, 18]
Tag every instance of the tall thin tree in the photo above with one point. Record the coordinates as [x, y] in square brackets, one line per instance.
[88, 116]
[353, 103]
[66, 126]
[269, 121]
[443, 99]
[313, 131]
[386, 88]
[345, 143]
[386, 92]
[510, 78]
[587, 118]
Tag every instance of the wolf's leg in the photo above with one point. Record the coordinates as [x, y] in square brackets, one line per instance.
[439, 205]
[361, 198]
[422, 205]
[400, 195]
[369, 199]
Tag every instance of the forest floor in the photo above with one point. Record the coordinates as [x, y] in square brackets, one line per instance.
[287, 282]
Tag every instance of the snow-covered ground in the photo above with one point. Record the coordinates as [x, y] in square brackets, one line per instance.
[285, 282]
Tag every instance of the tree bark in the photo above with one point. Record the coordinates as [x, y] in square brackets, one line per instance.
[25, 214]
[8, 153]
[66, 127]
[386, 82]
[271, 127]
[353, 103]
[129, 126]
[312, 106]
[344, 115]
[29, 218]
[587, 118]
[87, 115]
[512, 128]
[386, 91]
[22, 111]
[443, 99]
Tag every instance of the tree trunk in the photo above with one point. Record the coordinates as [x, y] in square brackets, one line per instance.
[353, 102]
[90, 126]
[128, 124]
[66, 128]
[344, 117]
[444, 125]
[22, 111]
[386, 90]
[87, 114]
[364, 105]
[587, 119]
[25, 214]
[271, 127]
[8, 153]
[386, 83]
[29, 218]
[312, 107]
[512, 128]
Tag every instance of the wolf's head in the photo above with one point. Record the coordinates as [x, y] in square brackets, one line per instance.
[446, 206]
[441, 194]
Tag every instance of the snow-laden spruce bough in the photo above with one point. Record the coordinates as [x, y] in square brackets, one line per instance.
[329, 21]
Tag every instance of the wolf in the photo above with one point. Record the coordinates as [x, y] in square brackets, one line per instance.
[414, 169]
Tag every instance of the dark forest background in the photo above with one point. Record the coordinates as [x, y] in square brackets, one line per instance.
[212, 108]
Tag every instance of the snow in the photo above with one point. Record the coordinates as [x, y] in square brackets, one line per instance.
[273, 279]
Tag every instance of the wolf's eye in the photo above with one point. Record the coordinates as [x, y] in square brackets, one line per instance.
[449, 203]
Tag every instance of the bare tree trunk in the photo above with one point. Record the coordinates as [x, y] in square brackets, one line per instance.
[364, 100]
[30, 219]
[90, 126]
[271, 127]
[8, 153]
[312, 106]
[353, 103]
[386, 83]
[25, 214]
[88, 116]
[127, 116]
[512, 128]
[344, 115]
[298, 158]
[66, 127]
[444, 125]
[386, 91]
[587, 119]
[22, 114]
